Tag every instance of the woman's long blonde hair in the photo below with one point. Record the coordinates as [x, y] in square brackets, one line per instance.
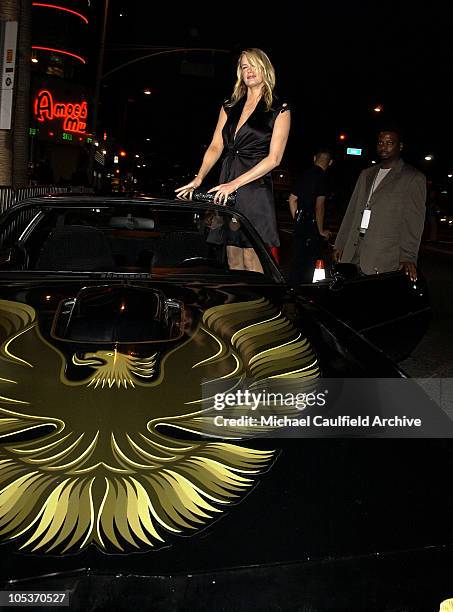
[259, 60]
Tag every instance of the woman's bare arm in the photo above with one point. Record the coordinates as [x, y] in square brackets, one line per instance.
[213, 153]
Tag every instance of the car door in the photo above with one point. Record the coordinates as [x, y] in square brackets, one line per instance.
[388, 309]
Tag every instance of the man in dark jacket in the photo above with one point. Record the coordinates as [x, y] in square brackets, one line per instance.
[307, 204]
[383, 224]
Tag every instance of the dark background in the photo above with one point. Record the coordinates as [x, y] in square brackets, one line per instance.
[334, 63]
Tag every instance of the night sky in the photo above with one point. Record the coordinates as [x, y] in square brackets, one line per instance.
[334, 63]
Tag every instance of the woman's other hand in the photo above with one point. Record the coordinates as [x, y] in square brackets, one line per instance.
[223, 191]
[185, 192]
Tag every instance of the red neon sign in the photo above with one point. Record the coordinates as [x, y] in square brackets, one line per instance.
[62, 51]
[73, 114]
[61, 8]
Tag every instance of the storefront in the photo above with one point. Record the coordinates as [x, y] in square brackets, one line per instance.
[62, 79]
[59, 139]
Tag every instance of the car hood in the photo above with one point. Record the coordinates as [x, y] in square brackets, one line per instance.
[109, 460]
[144, 316]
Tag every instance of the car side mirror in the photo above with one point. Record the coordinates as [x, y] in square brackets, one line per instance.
[345, 271]
[342, 272]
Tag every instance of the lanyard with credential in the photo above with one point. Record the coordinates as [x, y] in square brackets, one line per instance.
[366, 215]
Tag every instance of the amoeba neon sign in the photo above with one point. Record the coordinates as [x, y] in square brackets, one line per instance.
[72, 114]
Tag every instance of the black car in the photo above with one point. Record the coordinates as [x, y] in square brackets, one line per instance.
[142, 462]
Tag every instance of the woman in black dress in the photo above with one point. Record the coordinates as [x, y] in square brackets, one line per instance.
[252, 131]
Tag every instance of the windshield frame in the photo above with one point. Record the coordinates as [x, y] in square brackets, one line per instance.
[68, 203]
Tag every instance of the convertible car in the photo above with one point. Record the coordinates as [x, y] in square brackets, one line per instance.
[142, 463]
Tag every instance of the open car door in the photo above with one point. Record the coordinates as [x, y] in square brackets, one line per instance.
[388, 309]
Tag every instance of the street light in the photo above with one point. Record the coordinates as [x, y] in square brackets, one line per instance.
[429, 157]
[378, 108]
[147, 91]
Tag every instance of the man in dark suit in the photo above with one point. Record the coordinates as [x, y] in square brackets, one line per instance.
[383, 224]
[307, 204]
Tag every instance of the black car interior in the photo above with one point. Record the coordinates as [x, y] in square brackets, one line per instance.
[117, 240]
[76, 247]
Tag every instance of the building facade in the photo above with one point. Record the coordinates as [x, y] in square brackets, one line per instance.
[63, 60]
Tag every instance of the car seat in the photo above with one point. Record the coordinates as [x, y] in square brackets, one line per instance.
[76, 248]
[174, 247]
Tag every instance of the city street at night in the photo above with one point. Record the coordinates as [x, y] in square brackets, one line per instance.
[226, 322]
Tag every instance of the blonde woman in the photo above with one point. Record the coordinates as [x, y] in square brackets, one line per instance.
[252, 131]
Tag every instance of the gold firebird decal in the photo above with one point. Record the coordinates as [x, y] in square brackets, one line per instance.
[105, 464]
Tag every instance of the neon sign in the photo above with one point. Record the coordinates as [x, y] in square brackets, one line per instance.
[72, 114]
[61, 8]
[61, 51]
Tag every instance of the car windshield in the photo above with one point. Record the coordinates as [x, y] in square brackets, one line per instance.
[124, 237]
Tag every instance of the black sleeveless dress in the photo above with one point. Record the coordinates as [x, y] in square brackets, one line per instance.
[251, 144]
